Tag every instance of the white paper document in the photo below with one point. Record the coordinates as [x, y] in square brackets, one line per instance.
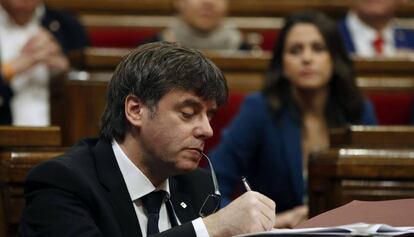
[358, 229]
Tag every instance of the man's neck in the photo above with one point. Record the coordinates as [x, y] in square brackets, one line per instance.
[133, 150]
[376, 23]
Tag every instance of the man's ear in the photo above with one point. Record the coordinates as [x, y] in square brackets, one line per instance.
[134, 110]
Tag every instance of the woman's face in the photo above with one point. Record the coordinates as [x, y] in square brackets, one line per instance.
[306, 59]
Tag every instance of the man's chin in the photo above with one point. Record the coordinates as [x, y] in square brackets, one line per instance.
[188, 167]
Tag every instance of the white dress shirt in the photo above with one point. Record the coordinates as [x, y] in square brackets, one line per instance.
[139, 185]
[30, 103]
[363, 36]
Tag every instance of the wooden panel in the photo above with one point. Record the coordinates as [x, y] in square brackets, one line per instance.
[149, 7]
[86, 99]
[389, 67]
[20, 149]
[245, 24]
[369, 69]
[11, 136]
[335, 8]
[389, 84]
[337, 176]
[108, 58]
[239, 66]
[373, 136]
[245, 72]
[14, 167]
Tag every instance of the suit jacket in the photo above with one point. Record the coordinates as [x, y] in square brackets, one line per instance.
[267, 150]
[67, 30]
[403, 38]
[70, 35]
[5, 96]
[83, 193]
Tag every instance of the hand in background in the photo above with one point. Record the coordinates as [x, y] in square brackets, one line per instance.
[251, 212]
[292, 217]
[40, 48]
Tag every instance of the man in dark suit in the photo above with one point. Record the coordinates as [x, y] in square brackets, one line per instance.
[159, 104]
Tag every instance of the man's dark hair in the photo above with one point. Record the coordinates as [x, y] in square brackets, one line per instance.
[151, 71]
[345, 102]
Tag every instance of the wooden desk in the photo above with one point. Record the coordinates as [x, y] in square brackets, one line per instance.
[334, 8]
[338, 176]
[14, 167]
[29, 137]
[108, 58]
[21, 148]
[372, 136]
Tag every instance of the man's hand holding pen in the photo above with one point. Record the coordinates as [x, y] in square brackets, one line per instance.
[246, 184]
[251, 212]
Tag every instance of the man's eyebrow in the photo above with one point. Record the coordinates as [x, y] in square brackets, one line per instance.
[189, 103]
[194, 104]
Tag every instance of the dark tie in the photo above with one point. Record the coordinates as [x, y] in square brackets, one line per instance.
[152, 203]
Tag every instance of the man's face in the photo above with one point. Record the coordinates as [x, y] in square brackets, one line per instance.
[376, 8]
[203, 15]
[173, 136]
[20, 10]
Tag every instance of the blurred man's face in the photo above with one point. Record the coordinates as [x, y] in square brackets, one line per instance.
[20, 10]
[376, 8]
[203, 15]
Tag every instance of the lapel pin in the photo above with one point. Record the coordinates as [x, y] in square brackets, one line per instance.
[183, 205]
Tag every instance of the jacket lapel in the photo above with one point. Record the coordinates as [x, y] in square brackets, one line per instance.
[111, 178]
[183, 206]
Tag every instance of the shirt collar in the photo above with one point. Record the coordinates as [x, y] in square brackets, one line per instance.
[137, 183]
[367, 33]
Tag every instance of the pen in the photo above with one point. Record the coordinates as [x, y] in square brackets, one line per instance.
[246, 184]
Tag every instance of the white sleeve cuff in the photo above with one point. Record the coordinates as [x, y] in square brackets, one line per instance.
[200, 227]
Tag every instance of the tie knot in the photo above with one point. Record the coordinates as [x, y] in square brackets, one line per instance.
[378, 44]
[153, 201]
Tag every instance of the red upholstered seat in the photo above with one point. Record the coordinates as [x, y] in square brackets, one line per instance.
[119, 37]
[269, 38]
[224, 117]
[392, 108]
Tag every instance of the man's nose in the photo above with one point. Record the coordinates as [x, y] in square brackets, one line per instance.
[204, 129]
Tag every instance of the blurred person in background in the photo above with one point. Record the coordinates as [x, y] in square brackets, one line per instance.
[34, 41]
[310, 88]
[202, 24]
[370, 29]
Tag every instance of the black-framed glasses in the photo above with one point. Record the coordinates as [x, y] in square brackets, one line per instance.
[212, 202]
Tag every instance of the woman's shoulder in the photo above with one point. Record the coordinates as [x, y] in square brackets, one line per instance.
[368, 113]
[255, 98]
[253, 109]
